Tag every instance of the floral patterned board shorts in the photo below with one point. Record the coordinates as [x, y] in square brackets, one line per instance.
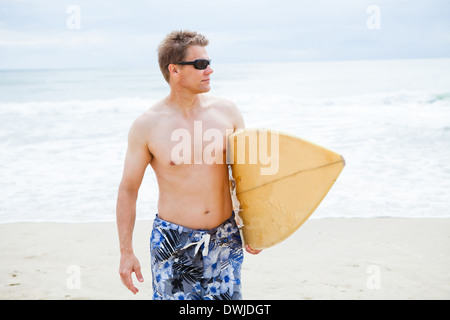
[190, 264]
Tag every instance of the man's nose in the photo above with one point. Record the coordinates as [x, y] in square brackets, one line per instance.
[209, 70]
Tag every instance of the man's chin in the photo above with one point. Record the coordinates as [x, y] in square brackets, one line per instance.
[205, 89]
[202, 89]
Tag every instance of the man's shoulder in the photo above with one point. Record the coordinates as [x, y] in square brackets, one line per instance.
[221, 103]
[217, 100]
[229, 109]
[151, 116]
[144, 122]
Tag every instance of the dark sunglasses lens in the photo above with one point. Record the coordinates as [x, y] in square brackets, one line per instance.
[201, 64]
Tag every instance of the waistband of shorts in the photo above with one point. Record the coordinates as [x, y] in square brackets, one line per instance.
[167, 224]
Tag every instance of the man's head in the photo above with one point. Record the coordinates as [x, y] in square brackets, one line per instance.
[175, 48]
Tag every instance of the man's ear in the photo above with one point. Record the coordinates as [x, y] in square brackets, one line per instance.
[174, 70]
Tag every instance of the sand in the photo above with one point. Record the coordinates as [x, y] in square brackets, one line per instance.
[325, 259]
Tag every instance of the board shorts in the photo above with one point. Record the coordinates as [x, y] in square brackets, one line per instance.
[189, 264]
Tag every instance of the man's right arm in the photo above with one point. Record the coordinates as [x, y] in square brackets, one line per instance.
[136, 161]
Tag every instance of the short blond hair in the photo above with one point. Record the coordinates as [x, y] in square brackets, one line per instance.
[174, 47]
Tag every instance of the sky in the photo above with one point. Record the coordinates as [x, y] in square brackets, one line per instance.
[100, 33]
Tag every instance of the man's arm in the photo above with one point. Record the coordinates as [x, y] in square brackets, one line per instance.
[136, 161]
[238, 119]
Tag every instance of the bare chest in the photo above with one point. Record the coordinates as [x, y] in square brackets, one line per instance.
[177, 142]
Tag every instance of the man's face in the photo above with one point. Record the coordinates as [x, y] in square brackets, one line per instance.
[193, 79]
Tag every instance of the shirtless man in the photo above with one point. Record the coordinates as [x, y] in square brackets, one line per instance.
[195, 245]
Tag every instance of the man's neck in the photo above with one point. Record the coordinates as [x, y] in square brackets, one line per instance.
[185, 101]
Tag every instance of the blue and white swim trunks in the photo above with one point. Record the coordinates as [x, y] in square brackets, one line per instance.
[190, 264]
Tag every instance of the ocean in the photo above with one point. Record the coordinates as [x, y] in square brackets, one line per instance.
[63, 133]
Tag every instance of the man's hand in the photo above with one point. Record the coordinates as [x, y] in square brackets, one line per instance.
[129, 264]
[250, 250]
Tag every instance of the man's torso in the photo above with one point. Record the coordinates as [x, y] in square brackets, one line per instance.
[189, 160]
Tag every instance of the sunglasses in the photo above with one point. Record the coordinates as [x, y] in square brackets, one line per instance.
[200, 64]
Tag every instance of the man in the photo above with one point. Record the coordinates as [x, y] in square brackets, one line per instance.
[196, 249]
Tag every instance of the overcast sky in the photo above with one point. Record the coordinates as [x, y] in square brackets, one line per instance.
[47, 34]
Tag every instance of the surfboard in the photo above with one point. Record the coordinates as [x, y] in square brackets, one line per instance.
[278, 180]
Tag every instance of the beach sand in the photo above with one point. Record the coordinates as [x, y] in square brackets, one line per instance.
[325, 259]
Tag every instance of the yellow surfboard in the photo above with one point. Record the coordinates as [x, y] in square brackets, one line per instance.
[279, 181]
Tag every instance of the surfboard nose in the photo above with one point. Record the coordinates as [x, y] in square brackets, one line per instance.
[343, 160]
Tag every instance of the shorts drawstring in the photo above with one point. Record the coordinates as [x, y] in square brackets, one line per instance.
[205, 241]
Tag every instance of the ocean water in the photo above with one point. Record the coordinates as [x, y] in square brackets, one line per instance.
[63, 133]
